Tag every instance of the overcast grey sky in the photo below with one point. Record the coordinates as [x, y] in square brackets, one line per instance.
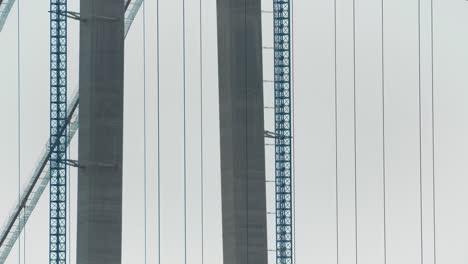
[315, 129]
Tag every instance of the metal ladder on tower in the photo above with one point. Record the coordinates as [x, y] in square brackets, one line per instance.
[58, 133]
[283, 135]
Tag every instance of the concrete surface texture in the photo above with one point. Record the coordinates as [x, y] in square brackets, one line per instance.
[242, 132]
[99, 225]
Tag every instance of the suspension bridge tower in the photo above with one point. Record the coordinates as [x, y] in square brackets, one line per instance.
[101, 131]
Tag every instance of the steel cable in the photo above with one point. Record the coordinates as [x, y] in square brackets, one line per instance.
[420, 135]
[144, 135]
[201, 138]
[355, 137]
[19, 127]
[433, 136]
[384, 180]
[158, 130]
[185, 127]
[336, 131]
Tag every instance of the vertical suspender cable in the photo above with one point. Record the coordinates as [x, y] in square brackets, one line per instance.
[384, 180]
[185, 129]
[336, 131]
[420, 136]
[158, 132]
[293, 132]
[24, 219]
[69, 237]
[433, 134]
[19, 121]
[355, 137]
[144, 135]
[201, 140]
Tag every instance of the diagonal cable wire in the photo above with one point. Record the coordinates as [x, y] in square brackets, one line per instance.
[5, 8]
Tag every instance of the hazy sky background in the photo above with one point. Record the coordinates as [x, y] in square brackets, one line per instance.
[314, 135]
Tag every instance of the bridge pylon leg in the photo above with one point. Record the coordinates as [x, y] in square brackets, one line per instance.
[242, 132]
[99, 225]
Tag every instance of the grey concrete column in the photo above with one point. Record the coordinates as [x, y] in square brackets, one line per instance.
[242, 132]
[99, 227]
